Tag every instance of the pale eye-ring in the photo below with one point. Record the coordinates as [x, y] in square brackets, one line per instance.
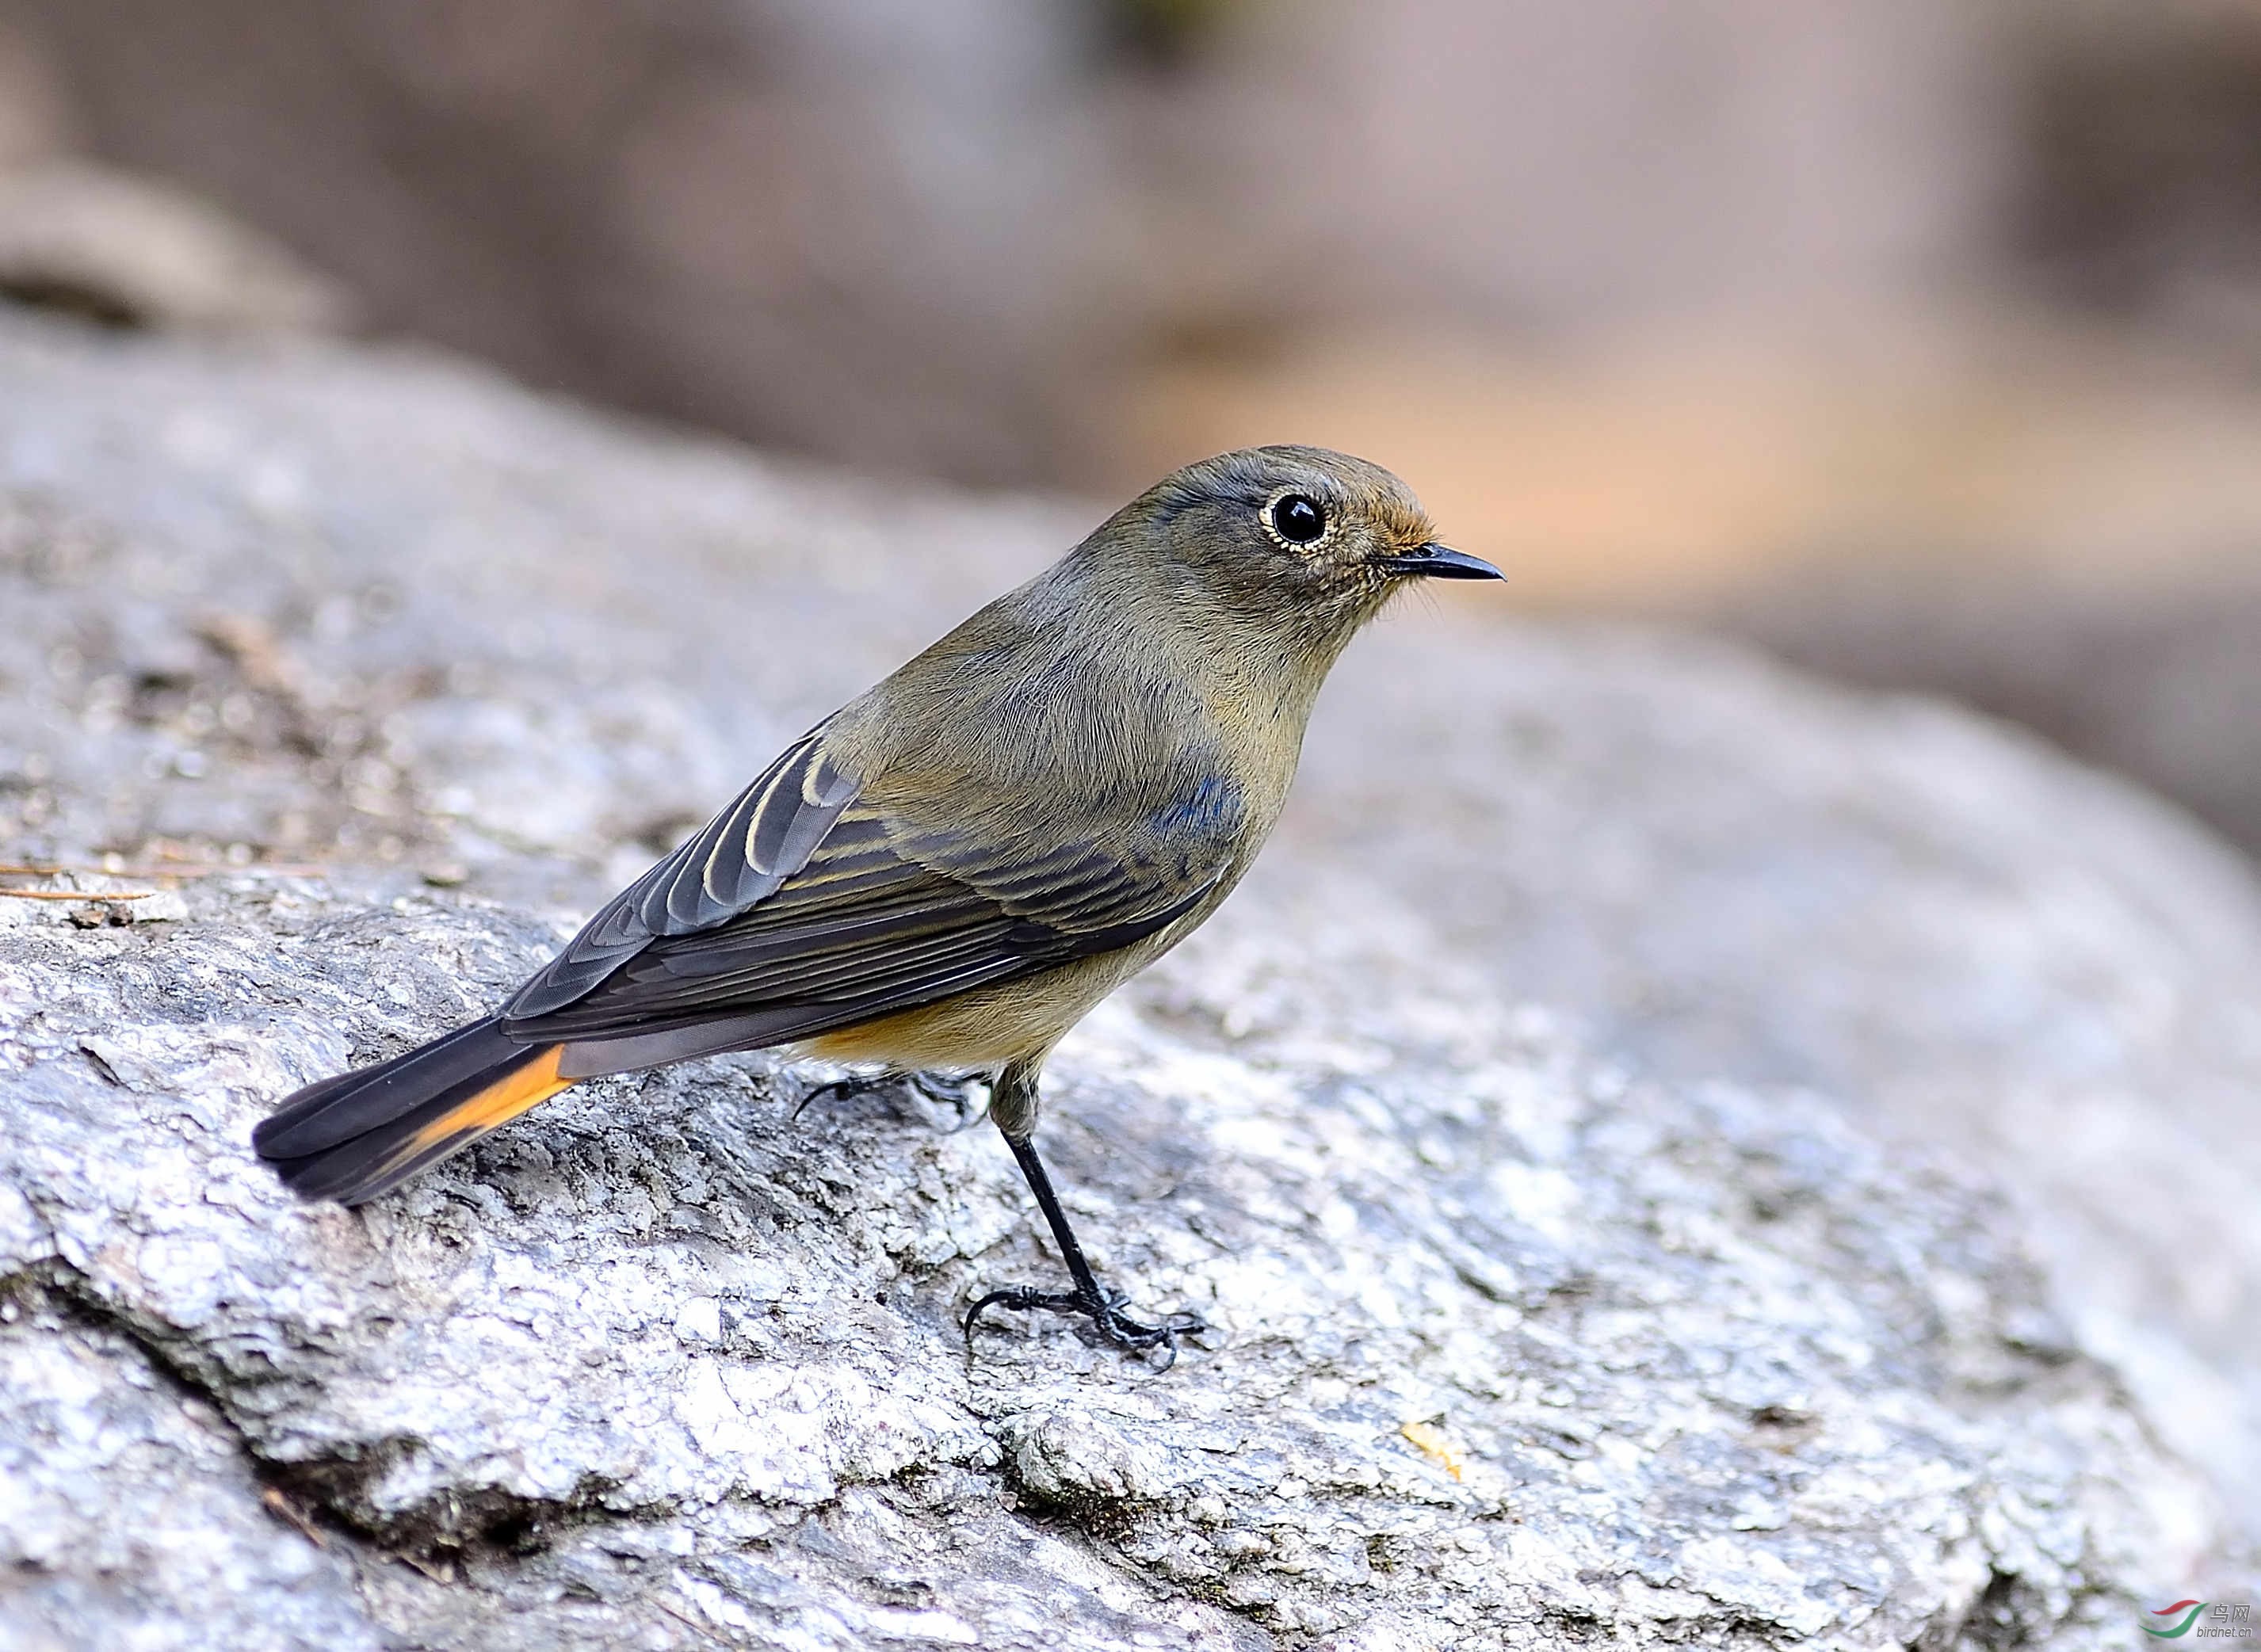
[1297, 518]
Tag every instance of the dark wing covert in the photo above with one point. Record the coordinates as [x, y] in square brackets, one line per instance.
[845, 913]
[743, 853]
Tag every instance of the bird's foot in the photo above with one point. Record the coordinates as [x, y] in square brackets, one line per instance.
[944, 1090]
[1105, 1314]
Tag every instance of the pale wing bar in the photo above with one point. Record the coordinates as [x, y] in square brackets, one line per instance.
[742, 854]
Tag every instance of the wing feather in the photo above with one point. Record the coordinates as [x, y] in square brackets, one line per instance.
[805, 905]
[746, 852]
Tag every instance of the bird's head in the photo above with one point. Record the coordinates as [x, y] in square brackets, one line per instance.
[1294, 541]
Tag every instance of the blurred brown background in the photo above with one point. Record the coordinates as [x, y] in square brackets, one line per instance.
[1919, 338]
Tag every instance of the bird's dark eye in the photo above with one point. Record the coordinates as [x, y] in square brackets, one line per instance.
[1296, 518]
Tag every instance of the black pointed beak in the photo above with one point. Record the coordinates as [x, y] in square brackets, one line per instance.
[1442, 561]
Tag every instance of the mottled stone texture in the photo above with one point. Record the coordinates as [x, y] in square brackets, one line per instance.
[1546, 1310]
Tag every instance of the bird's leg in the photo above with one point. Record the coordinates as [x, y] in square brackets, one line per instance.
[1014, 1106]
[1102, 1307]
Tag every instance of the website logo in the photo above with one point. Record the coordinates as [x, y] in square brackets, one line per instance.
[2220, 1619]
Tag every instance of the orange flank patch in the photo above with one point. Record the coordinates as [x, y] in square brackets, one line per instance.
[498, 1103]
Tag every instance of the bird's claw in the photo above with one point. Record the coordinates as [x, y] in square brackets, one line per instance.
[955, 1093]
[935, 1087]
[1106, 1316]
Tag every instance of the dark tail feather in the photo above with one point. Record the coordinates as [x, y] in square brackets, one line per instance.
[357, 1135]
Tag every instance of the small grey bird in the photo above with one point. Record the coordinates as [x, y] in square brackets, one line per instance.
[949, 871]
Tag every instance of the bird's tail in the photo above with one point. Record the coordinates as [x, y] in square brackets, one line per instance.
[355, 1136]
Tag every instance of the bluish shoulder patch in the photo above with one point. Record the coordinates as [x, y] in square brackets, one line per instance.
[1214, 807]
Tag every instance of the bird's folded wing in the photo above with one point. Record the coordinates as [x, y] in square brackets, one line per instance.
[743, 853]
[821, 908]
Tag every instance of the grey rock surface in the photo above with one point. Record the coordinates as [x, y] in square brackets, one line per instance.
[2158, 681]
[1534, 1324]
[1508, 1349]
[1977, 947]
